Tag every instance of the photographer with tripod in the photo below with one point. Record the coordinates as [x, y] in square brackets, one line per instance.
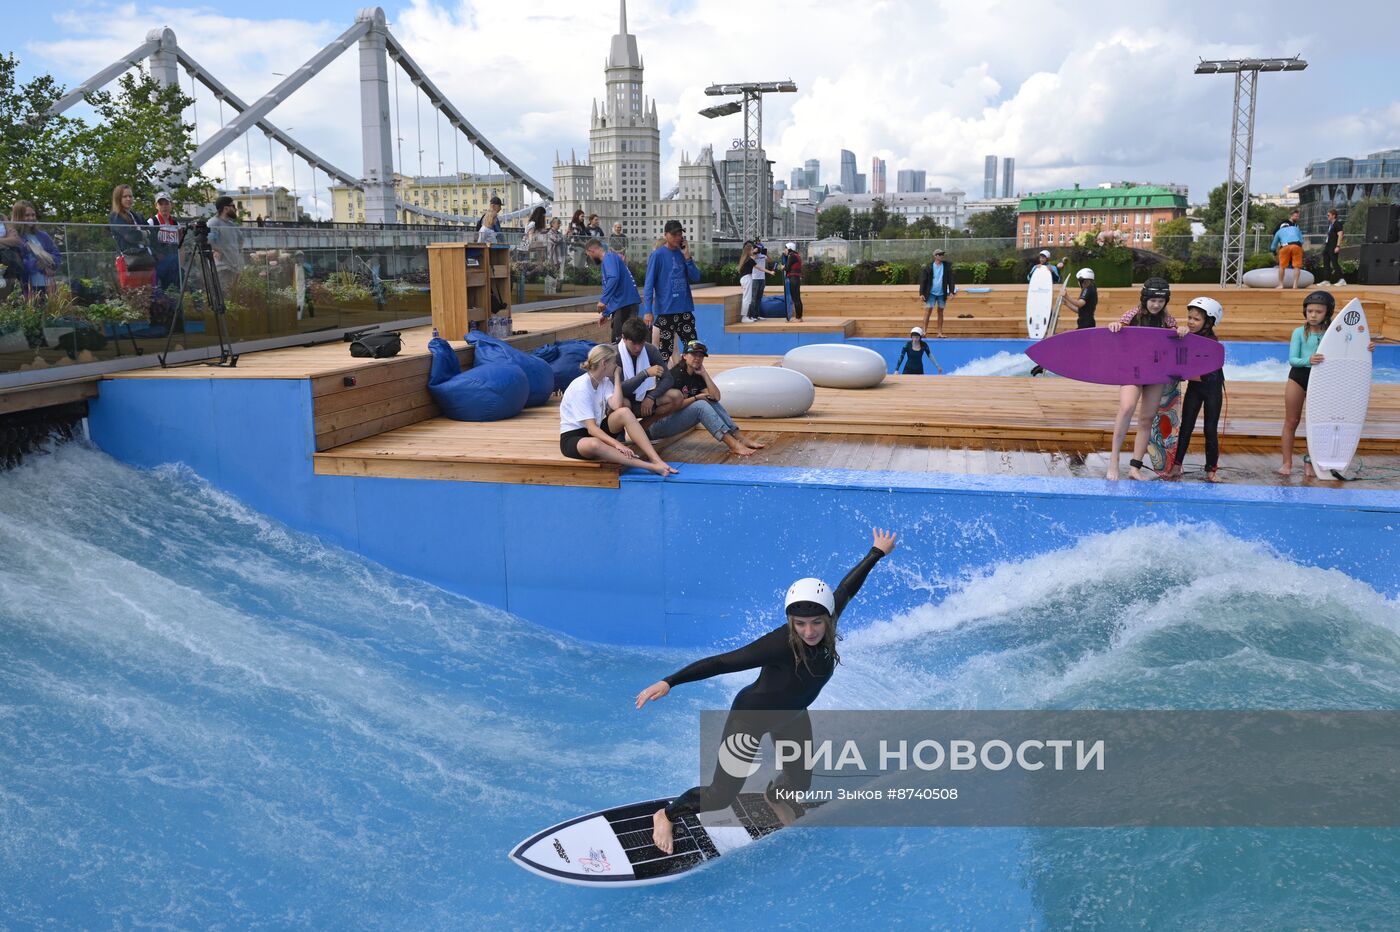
[218, 251]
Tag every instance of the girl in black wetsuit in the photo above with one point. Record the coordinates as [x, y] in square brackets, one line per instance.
[797, 660]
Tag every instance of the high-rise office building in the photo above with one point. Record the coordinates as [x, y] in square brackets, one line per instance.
[860, 184]
[910, 180]
[989, 176]
[799, 179]
[848, 171]
[877, 175]
[813, 168]
[1008, 177]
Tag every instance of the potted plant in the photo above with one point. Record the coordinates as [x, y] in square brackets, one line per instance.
[21, 323]
[58, 309]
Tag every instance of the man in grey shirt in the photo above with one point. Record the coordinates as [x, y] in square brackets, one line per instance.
[226, 239]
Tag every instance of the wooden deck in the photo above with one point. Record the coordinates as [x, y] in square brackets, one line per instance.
[890, 310]
[953, 424]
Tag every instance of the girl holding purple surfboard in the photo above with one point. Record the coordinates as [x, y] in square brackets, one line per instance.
[1150, 312]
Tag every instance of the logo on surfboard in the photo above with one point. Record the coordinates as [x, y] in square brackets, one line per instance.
[595, 863]
[559, 850]
[1352, 318]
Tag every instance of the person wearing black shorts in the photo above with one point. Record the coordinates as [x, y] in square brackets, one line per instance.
[1331, 263]
[593, 418]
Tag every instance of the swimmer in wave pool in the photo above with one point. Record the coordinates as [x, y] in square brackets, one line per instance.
[796, 660]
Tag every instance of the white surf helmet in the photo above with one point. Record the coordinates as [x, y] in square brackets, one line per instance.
[809, 596]
[1209, 307]
[1085, 274]
[1045, 253]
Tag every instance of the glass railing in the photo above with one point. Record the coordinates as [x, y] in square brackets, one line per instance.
[74, 301]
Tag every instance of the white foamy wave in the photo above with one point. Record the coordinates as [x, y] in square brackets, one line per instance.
[1003, 363]
[1266, 370]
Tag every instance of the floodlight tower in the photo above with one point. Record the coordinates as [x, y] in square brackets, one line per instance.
[1246, 72]
[751, 212]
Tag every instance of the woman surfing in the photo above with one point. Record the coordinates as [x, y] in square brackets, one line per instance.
[795, 661]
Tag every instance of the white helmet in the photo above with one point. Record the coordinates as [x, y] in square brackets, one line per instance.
[792, 247]
[809, 593]
[1209, 307]
[1045, 253]
[1087, 274]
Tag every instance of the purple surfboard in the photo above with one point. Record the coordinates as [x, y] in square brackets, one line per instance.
[1132, 356]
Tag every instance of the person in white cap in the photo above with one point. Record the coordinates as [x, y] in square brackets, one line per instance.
[914, 351]
[795, 660]
[165, 242]
[792, 268]
[1044, 259]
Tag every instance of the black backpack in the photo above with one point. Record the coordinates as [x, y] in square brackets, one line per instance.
[377, 345]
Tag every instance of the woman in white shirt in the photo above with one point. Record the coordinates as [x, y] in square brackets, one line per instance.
[593, 417]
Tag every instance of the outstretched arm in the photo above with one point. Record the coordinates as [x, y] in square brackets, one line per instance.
[752, 655]
[848, 587]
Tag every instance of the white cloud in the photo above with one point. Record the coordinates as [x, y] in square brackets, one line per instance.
[1083, 92]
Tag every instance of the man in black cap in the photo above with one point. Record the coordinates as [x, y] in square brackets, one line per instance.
[670, 273]
[699, 404]
[227, 242]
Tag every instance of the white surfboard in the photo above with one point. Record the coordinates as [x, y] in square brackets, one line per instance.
[1040, 297]
[613, 848]
[1339, 391]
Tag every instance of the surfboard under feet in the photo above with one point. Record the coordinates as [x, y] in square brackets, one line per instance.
[613, 848]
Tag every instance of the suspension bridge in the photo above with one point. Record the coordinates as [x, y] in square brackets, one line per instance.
[377, 47]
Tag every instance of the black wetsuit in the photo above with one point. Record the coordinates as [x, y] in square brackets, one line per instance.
[1206, 391]
[775, 703]
[1090, 296]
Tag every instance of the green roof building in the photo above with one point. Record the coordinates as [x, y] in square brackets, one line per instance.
[1056, 217]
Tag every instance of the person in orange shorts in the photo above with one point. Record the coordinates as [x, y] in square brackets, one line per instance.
[1288, 246]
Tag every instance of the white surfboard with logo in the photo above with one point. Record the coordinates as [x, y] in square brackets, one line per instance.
[1040, 300]
[613, 848]
[1339, 391]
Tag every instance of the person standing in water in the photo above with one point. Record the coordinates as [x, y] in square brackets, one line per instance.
[914, 352]
[795, 661]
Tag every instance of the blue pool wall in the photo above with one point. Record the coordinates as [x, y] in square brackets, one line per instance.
[703, 558]
[951, 354]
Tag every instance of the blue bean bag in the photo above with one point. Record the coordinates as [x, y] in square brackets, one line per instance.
[537, 372]
[490, 392]
[564, 359]
[773, 305]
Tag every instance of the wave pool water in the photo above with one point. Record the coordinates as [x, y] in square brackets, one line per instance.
[1269, 370]
[208, 720]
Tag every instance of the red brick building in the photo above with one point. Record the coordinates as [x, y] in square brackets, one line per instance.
[1056, 217]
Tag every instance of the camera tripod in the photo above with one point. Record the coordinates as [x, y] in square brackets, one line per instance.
[214, 292]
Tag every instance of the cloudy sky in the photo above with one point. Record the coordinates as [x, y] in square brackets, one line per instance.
[1076, 91]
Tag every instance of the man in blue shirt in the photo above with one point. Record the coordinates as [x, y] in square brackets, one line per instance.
[670, 273]
[1044, 259]
[1288, 246]
[619, 300]
[936, 285]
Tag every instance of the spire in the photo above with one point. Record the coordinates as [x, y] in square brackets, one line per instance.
[624, 46]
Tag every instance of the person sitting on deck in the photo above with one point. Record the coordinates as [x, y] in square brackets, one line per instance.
[647, 385]
[699, 404]
[593, 418]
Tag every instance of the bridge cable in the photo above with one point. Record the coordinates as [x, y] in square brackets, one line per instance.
[194, 106]
[418, 108]
[223, 152]
[398, 125]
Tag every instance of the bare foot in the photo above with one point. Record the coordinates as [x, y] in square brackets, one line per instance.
[751, 444]
[1286, 469]
[1112, 475]
[661, 832]
[735, 447]
[1135, 473]
[1308, 471]
[1172, 473]
[1212, 475]
[784, 811]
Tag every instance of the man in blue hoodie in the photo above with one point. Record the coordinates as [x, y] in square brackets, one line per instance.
[670, 273]
[619, 300]
[1288, 246]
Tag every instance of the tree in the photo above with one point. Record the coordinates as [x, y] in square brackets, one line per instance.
[1355, 225]
[994, 223]
[68, 167]
[860, 225]
[834, 221]
[926, 228]
[879, 215]
[1269, 216]
[895, 227]
[1173, 238]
